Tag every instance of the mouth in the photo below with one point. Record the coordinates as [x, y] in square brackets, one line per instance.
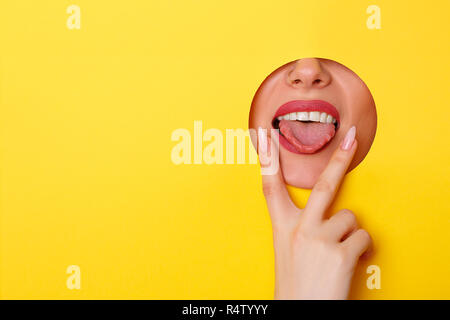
[306, 126]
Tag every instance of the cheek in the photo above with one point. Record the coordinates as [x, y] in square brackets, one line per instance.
[367, 126]
[267, 100]
[258, 116]
[361, 113]
[360, 105]
[365, 119]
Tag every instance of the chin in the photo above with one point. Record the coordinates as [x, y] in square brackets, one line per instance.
[301, 176]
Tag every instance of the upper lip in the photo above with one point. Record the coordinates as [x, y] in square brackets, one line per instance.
[308, 106]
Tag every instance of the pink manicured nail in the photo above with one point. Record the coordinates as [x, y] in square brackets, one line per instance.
[349, 138]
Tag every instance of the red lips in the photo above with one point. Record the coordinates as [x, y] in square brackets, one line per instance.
[309, 136]
[308, 105]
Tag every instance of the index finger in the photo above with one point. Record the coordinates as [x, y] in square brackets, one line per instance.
[277, 197]
[325, 189]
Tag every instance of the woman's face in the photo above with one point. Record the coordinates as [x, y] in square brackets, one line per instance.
[313, 103]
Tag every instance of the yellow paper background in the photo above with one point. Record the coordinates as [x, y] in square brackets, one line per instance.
[87, 115]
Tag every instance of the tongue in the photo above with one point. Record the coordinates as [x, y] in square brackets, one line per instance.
[307, 137]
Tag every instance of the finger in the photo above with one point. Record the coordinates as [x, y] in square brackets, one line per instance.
[324, 190]
[274, 188]
[341, 225]
[358, 243]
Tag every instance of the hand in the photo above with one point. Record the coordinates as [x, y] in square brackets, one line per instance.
[315, 257]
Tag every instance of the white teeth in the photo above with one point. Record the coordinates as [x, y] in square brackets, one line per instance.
[315, 116]
[303, 116]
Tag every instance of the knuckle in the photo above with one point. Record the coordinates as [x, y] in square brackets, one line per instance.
[365, 236]
[301, 233]
[346, 211]
[344, 217]
[342, 254]
[323, 186]
[348, 216]
[298, 235]
[339, 158]
[269, 189]
[343, 257]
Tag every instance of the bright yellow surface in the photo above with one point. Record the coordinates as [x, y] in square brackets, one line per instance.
[87, 116]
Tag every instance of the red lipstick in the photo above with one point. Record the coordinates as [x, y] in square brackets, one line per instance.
[306, 126]
[308, 106]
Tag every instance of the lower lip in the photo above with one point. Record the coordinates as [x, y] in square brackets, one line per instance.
[305, 106]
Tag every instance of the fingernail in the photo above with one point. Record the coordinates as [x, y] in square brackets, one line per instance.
[349, 138]
[262, 141]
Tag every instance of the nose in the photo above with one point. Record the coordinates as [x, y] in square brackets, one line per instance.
[307, 74]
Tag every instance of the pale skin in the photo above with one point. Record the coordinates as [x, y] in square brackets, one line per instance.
[315, 256]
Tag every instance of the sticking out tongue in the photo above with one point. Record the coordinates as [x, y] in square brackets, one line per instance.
[307, 137]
